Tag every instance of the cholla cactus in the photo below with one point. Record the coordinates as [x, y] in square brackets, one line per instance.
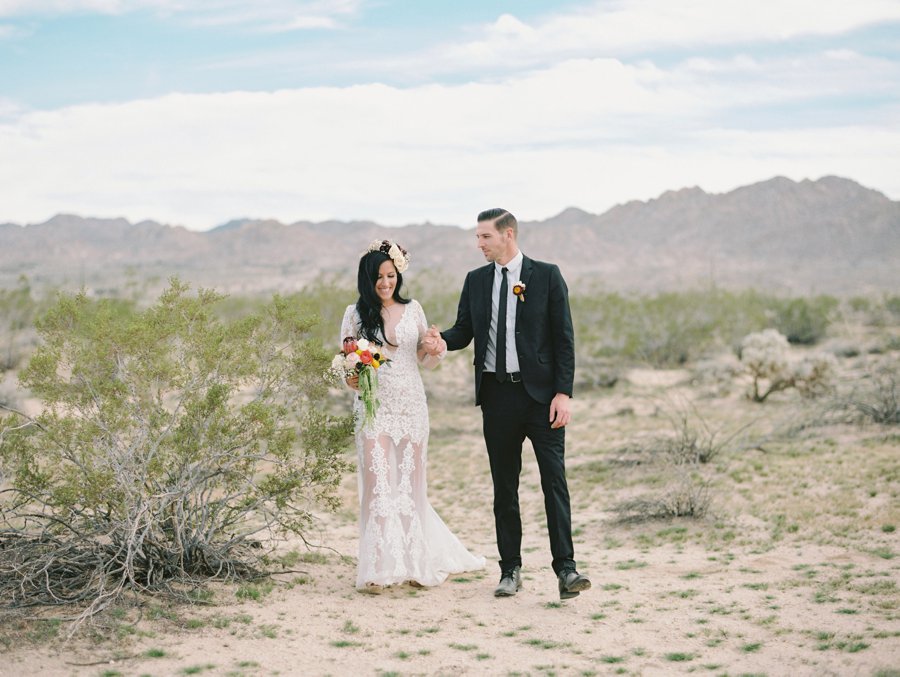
[814, 375]
[766, 355]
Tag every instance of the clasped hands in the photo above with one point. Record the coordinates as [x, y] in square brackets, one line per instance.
[432, 342]
[560, 407]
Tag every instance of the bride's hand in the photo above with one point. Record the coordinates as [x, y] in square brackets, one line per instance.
[353, 381]
[432, 342]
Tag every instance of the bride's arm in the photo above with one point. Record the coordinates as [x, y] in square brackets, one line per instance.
[349, 328]
[427, 359]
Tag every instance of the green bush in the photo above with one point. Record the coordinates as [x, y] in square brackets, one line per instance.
[17, 311]
[670, 329]
[327, 300]
[665, 330]
[804, 321]
[892, 304]
[169, 440]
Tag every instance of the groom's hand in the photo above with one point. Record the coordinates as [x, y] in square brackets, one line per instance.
[560, 413]
[433, 343]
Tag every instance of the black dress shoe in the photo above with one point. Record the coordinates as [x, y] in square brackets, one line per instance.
[572, 583]
[510, 583]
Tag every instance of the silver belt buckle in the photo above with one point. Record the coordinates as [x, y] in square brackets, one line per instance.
[515, 377]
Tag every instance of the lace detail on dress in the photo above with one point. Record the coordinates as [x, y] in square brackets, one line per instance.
[402, 410]
[401, 537]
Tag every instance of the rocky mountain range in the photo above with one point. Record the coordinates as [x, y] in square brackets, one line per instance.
[826, 236]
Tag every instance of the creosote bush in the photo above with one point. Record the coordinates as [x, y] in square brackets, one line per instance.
[171, 444]
[804, 321]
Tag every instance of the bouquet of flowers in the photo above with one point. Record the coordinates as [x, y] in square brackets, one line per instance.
[360, 357]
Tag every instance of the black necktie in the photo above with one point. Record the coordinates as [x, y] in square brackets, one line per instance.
[501, 329]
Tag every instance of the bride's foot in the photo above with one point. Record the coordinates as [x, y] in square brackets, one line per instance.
[415, 584]
[372, 589]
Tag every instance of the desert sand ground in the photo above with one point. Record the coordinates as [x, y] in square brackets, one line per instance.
[792, 571]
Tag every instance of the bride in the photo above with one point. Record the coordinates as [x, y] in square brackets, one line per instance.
[402, 539]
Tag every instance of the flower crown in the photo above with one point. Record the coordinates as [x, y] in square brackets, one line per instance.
[398, 254]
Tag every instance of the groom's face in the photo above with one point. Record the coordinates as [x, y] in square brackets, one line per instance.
[493, 243]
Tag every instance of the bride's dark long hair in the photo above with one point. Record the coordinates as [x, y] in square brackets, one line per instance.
[369, 304]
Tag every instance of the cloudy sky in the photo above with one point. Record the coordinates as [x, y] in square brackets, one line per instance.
[194, 112]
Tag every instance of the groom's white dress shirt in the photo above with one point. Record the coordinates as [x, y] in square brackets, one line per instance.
[513, 273]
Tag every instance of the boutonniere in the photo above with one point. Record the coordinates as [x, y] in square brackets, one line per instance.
[519, 290]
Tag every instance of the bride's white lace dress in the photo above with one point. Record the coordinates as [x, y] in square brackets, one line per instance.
[402, 538]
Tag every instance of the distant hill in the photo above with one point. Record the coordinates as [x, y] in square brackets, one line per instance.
[827, 236]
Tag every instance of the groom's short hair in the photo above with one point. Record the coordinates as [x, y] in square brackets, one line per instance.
[502, 219]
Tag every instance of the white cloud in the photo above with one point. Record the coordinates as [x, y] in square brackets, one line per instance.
[9, 109]
[587, 132]
[271, 15]
[264, 14]
[606, 28]
[35, 7]
[305, 22]
[811, 79]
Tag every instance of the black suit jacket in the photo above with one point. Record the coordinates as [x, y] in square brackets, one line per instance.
[545, 339]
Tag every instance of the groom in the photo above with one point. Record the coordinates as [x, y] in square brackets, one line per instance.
[517, 310]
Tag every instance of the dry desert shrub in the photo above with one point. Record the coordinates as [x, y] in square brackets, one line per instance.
[693, 444]
[876, 399]
[716, 377]
[595, 372]
[695, 440]
[688, 496]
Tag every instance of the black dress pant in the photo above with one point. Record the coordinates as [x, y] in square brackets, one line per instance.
[509, 416]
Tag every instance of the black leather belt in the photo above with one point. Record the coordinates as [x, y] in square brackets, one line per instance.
[515, 377]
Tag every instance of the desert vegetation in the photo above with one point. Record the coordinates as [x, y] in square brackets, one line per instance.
[167, 440]
[172, 465]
